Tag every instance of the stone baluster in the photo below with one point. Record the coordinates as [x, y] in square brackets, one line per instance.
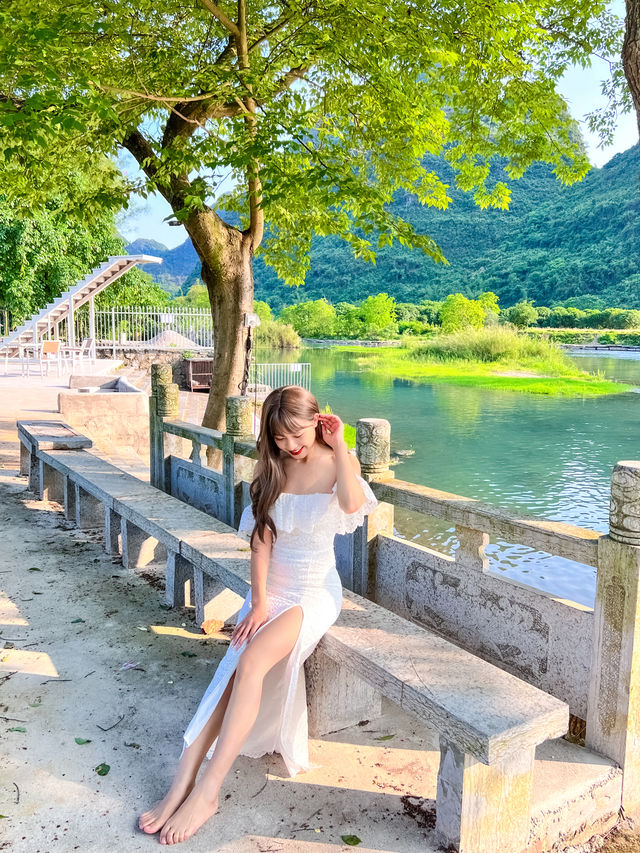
[613, 711]
[373, 442]
[239, 419]
[163, 403]
[470, 552]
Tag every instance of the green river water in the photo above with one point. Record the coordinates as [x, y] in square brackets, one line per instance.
[546, 457]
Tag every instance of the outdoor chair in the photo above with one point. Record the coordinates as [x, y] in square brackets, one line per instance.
[51, 352]
[82, 354]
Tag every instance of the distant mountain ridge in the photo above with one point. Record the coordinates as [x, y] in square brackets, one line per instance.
[176, 266]
[554, 242]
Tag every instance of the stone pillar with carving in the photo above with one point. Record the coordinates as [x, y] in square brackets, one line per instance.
[163, 403]
[613, 711]
[239, 420]
[373, 445]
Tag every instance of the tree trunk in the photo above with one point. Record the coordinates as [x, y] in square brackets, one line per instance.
[631, 53]
[226, 255]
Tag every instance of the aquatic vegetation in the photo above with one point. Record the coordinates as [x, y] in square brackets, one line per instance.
[497, 358]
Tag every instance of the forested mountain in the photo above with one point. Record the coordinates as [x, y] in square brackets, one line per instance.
[553, 243]
[177, 264]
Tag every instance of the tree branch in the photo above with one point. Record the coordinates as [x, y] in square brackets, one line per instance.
[217, 13]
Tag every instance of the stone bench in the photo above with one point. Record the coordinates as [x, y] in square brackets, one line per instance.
[45, 435]
[489, 722]
[136, 518]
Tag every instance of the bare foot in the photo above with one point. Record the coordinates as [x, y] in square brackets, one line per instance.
[153, 820]
[194, 811]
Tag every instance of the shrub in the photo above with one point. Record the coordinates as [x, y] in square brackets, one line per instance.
[495, 343]
[458, 313]
[522, 314]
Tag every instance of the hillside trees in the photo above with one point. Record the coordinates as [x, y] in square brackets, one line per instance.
[44, 252]
[320, 111]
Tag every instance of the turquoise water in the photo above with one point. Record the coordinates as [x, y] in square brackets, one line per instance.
[546, 457]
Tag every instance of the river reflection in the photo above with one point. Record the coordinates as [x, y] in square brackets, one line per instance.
[546, 457]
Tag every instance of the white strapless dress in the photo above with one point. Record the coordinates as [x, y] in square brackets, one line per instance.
[302, 572]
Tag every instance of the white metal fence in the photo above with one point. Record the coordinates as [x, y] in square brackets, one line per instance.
[182, 327]
[277, 375]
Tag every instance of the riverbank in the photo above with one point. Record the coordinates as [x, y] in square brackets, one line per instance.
[494, 359]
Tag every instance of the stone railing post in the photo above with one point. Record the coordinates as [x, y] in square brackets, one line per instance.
[373, 443]
[163, 403]
[239, 418]
[613, 710]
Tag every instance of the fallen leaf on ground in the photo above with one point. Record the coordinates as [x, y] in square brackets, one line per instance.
[35, 569]
[102, 769]
[189, 654]
[73, 621]
[134, 745]
[351, 840]
[385, 737]
[81, 741]
[35, 704]
[17, 729]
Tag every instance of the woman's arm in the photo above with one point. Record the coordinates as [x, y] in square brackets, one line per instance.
[257, 616]
[350, 493]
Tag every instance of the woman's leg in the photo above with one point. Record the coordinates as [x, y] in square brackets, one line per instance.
[188, 767]
[274, 642]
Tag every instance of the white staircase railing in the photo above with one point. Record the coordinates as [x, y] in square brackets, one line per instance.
[48, 319]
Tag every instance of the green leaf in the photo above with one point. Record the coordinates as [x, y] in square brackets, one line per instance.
[17, 729]
[351, 840]
[35, 569]
[35, 704]
[81, 741]
[102, 769]
[385, 737]
[73, 621]
[188, 654]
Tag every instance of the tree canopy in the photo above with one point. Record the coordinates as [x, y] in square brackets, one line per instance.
[321, 112]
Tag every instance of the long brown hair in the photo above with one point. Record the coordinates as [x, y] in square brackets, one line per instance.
[283, 411]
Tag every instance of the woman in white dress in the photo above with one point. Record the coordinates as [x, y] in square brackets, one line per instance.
[306, 489]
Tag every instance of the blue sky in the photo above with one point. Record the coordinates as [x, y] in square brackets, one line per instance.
[581, 88]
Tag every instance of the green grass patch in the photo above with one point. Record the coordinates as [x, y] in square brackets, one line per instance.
[498, 359]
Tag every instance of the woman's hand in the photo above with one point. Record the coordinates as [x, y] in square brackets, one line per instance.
[332, 430]
[254, 619]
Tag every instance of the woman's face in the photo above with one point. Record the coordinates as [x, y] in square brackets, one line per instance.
[299, 441]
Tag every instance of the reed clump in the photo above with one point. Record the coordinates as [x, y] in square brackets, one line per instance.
[495, 345]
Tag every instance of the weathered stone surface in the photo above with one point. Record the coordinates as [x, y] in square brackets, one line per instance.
[486, 711]
[138, 548]
[124, 418]
[576, 794]
[545, 640]
[613, 717]
[51, 483]
[482, 809]
[336, 697]
[624, 510]
[178, 589]
[554, 537]
[373, 442]
[90, 511]
[239, 416]
[112, 528]
[470, 552]
[198, 486]
[51, 435]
